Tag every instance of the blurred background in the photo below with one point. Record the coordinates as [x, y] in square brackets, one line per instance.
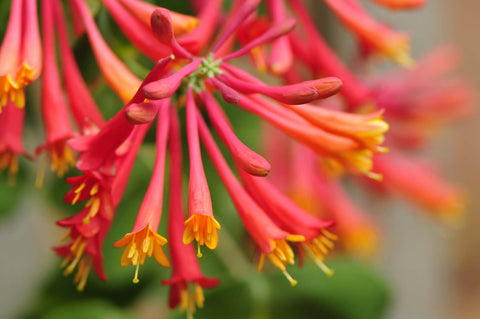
[424, 269]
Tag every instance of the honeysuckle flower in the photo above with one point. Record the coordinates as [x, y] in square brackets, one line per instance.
[182, 23]
[100, 149]
[418, 103]
[185, 268]
[281, 56]
[291, 217]
[301, 202]
[200, 225]
[394, 45]
[11, 144]
[314, 52]
[20, 53]
[138, 33]
[144, 241]
[122, 81]
[83, 107]
[321, 196]
[54, 108]
[358, 233]
[436, 195]
[87, 230]
[270, 238]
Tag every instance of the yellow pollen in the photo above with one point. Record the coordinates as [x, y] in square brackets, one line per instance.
[199, 253]
[13, 89]
[9, 160]
[135, 279]
[292, 281]
[140, 245]
[202, 228]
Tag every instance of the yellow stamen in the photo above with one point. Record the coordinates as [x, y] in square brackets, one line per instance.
[13, 89]
[61, 157]
[318, 247]
[281, 255]
[94, 204]
[135, 279]
[292, 281]
[202, 228]
[140, 245]
[190, 300]
[78, 192]
[41, 173]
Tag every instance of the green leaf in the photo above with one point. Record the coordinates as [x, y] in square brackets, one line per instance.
[91, 309]
[355, 291]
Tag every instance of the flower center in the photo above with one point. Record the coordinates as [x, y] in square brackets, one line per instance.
[208, 68]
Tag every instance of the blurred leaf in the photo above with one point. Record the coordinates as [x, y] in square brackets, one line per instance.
[10, 194]
[91, 309]
[355, 291]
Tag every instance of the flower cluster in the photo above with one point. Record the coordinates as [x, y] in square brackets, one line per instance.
[323, 124]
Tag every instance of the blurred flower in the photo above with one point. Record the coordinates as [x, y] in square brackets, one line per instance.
[20, 53]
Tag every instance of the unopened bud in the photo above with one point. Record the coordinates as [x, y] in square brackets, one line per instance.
[141, 113]
[162, 27]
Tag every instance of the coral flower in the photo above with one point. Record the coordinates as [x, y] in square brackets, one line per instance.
[392, 44]
[143, 241]
[20, 53]
[272, 241]
[87, 230]
[54, 109]
[186, 270]
[122, 81]
[11, 145]
[200, 225]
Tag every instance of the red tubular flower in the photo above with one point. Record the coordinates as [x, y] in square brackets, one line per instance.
[299, 93]
[54, 109]
[143, 241]
[99, 149]
[392, 44]
[20, 53]
[247, 159]
[198, 39]
[321, 59]
[138, 33]
[281, 57]
[143, 11]
[270, 238]
[186, 270]
[367, 129]
[427, 189]
[88, 229]
[418, 102]
[357, 232]
[82, 104]
[11, 145]
[118, 76]
[200, 225]
[292, 218]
